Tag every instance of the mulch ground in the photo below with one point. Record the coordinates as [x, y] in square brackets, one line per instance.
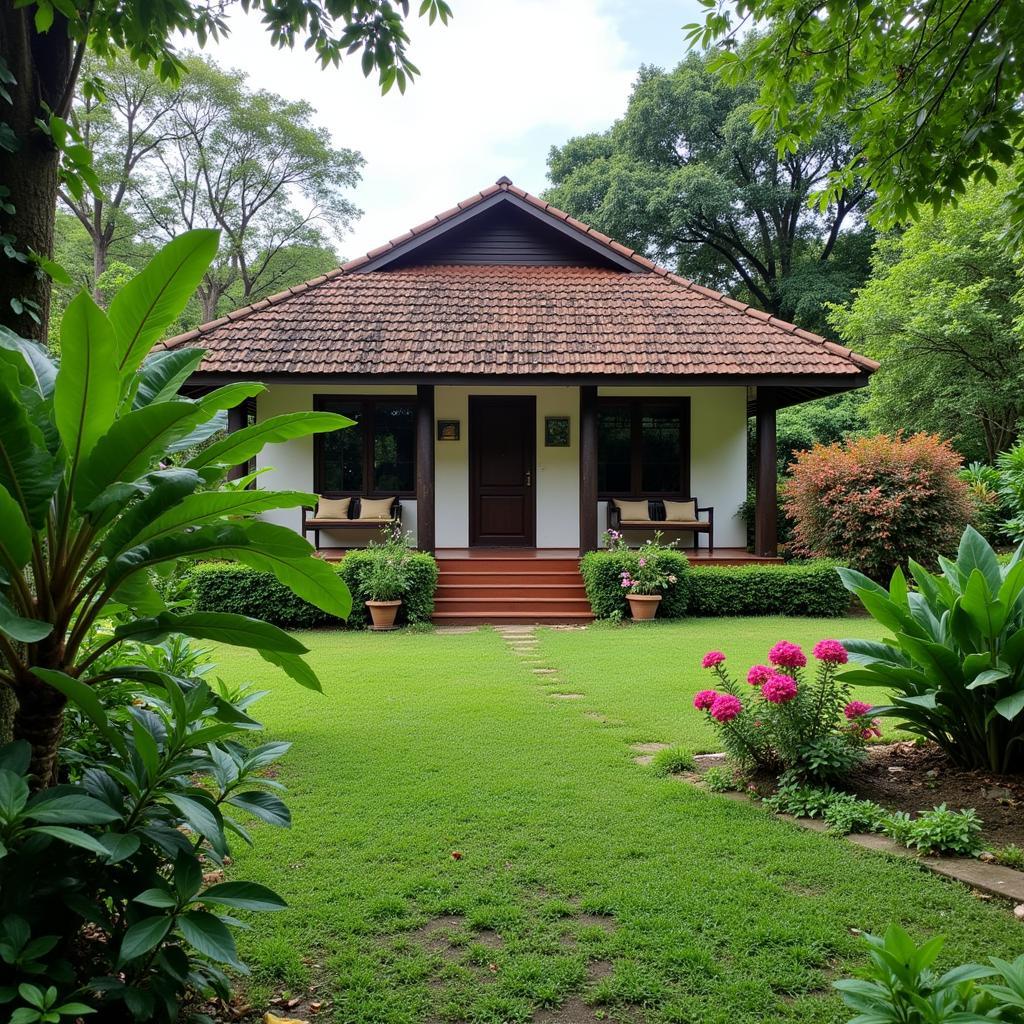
[911, 777]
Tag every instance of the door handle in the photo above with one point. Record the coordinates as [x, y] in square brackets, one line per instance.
[529, 478]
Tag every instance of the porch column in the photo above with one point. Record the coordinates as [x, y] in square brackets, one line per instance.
[588, 468]
[425, 467]
[237, 419]
[765, 522]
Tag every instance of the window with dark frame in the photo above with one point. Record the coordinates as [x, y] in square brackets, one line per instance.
[643, 447]
[376, 458]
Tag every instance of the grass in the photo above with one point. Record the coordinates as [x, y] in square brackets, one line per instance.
[645, 676]
[580, 874]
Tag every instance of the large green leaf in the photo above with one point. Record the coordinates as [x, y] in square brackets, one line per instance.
[310, 578]
[986, 612]
[170, 486]
[223, 627]
[17, 627]
[229, 396]
[42, 374]
[28, 471]
[243, 895]
[1010, 707]
[144, 308]
[88, 387]
[143, 936]
[293, 666]
[163, 373]
[130, 447]
[71, 835]
[976, 554]
[211, 506]
[68, 805]
[209, 935]
[242, 445]
[15, 535]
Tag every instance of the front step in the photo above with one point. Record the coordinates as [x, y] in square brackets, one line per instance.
[510, 589]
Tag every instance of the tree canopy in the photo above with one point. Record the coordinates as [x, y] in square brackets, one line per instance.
[942, 312]
[929, 89]
[43, 44]
[684, 177]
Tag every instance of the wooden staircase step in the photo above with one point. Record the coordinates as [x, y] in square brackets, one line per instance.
[491, 589]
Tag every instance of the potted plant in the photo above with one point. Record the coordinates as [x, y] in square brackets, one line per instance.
[645, 578]
[386, 579]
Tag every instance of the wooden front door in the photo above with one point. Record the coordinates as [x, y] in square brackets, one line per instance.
[502, 451]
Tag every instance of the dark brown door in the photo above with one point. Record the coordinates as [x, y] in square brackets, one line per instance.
[502, 448]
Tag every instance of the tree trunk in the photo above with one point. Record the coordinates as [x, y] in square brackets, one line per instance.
[39, 719]
[8, 709]
[99, 262]
[43, 66]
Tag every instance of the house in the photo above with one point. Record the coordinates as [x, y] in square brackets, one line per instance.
[511, 372]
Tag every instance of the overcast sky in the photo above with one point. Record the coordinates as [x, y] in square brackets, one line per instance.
[500, 84]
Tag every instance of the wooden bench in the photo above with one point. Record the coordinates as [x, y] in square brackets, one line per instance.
[656, 521]
[314, 524]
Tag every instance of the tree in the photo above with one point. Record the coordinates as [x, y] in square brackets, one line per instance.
[684, 177]
[42, 47]
[88, 514]
[942, 314]
[129, 125]
[253, 165]
[929, 89]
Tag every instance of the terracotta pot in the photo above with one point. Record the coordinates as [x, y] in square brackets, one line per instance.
[644, 606]
[383, 614]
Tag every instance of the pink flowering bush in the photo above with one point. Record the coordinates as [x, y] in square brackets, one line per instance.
[789, 720]
[646, 570]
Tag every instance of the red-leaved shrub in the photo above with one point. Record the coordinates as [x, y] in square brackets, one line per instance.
[876, 501]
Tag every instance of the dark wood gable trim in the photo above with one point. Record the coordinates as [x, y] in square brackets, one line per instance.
[599, 250]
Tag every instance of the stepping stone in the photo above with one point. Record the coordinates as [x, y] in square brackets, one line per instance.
[643, 760]
[543, 671]
[649, 748]
[568, 696]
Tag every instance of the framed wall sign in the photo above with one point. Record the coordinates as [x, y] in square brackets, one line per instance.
[556, 431]
[448, 430]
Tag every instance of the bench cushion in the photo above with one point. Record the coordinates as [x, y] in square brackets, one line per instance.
[654, 524]
[680, 511]
[635, 511]
[332, 508]
[336, 524]
[377, 509]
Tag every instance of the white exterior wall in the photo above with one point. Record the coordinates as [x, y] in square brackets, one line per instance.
[558, 469]
[718, 468]
[292, 461]
[718, 457]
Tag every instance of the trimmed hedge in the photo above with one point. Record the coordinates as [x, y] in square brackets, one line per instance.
[601, 571]
[810, 588]
[228, 587]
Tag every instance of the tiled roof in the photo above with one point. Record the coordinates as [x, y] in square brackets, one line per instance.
[505, 319]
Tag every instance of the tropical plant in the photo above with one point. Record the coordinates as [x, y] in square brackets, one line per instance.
[955, 661]
[89, 514]
[112, 896]
[874, 502]
[900, 987]
[791, 724]
[1010, 466]
[990, 510]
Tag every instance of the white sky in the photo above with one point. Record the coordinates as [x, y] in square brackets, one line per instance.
[500, 84]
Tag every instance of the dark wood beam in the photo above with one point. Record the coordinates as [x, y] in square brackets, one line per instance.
[237, 419]
[765, 519]
[425, 514]
[588, 468]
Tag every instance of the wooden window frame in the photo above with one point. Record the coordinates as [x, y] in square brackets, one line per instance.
[323, 403]
[636, 411]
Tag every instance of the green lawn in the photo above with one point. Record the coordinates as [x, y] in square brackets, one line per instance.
[646, 676]
[582, 876]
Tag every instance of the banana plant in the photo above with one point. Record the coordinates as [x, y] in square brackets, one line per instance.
[109, 475]
[954, 664]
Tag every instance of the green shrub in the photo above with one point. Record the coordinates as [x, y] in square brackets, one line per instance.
[672, 760]
[720, 779]
[796, 588]
[602, 577]
[845, 813]
[801, 801]
[1011, 856]
[939, 830]
[954, 667]
[226, 587]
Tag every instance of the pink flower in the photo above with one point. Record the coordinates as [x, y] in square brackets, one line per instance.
[642, 562]
[726, 707]
[871, 731]
[626, 583]
[831, 651]
[856, 709]
[703, 700]
[787, 655]
[758, 674]
[711, 659]
[778, 688]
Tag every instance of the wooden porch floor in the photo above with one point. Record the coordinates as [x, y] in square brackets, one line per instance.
[720, 556]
